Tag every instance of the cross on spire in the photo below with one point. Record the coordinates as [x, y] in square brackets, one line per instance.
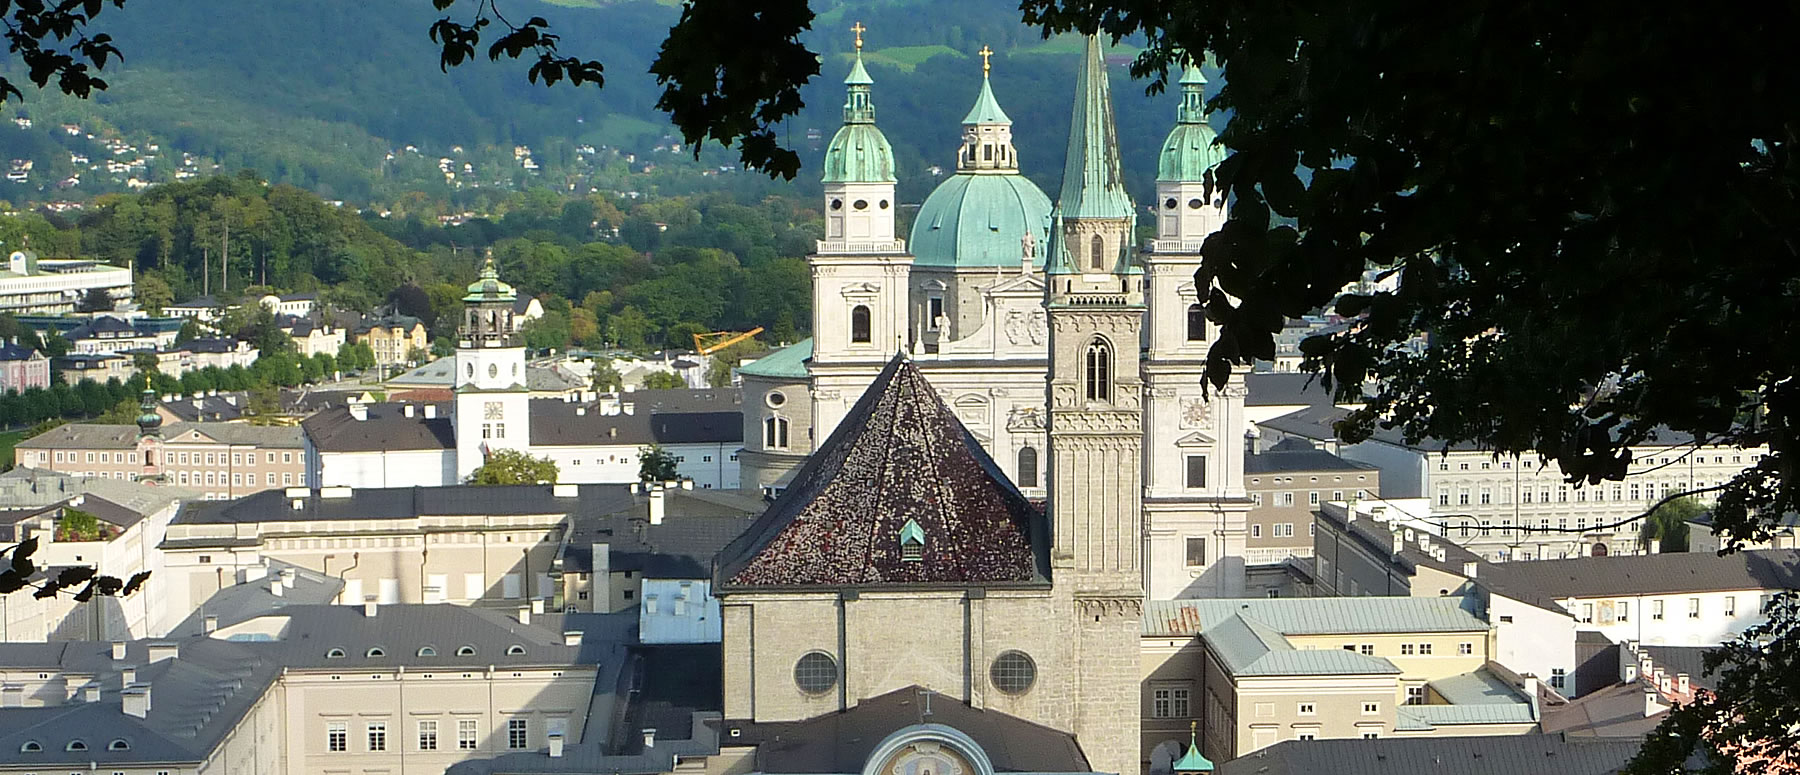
[859, 29]
[985, 52]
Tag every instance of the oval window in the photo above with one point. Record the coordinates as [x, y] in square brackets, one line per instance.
[837, 204]
[471, 369]
[493, 370]
[860, 204]
[1194, 204]
[884, 204]
[1170, 203]
[775, 398]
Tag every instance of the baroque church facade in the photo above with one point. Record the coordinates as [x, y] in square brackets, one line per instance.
[972, 296]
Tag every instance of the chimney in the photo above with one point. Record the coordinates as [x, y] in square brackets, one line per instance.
[409, 410]
[657, 506]
[650, 737]
[128, 676]
[1652, 704]
[524, 615]
[1425, 541]
[1655, 545]
[209, 624]
[580, 411]
[431, 411]
[612, 433]
[359, 412]
[118, 650]
[537, 605]
[571, 637]
[90, 693]
[287, 577]
[12, 696]
[370, 606]
[137, 701]
[556, 746]
[163, 650]
[565, 490]
[1399, 543]
[687, 484]
[1469, 569]
[275, 584]
[1681, 683]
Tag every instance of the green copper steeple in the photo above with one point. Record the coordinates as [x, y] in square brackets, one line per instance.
[987, 109]
[859, 153]
[1193, 762]
[1192, 147]
[1093, 185]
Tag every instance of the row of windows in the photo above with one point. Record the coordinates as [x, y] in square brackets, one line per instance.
[1619, 493]
[468, 730]
[1620, 610]
[1282, 530]
[178, 458]
[1463, 649]
[1444, 465]
[1506, 527]
[237, 479]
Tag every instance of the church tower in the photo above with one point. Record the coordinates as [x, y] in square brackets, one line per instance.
[1195, 506]
[1095, 304]
[860, 269]
[492, 405]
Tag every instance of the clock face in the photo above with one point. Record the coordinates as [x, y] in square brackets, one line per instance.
[492, 411]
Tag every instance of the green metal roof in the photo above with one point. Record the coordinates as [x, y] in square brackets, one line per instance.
[1423, 717]
[859, 153]
[1093, 185]
[786, 363]
[1478, 687]
[987, 109]
[1316, 615]
[489, 287]
[1192, 761]
[1248, 648]
[912, 532]
[858, 76]
[980, 220]
[1191, 149]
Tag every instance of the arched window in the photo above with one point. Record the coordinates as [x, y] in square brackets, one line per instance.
[334, 654]
[427, 651]
[515, 650]
[1097, 253]
[465, 651]
[1196, 324]
[1028, 467]
[376, 651]
[1098, 374]
[775, 432]
[859, 324]
[118, 745]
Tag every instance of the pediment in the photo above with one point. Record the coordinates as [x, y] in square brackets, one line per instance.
[1196, 439]
[861, 290]
[1017, 285]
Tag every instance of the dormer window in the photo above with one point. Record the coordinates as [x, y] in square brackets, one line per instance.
[515, 650]
[75, 745]
[118, 745]
[31, 746]
[465, 651]
[334, 654]
[912, 542]
[376, 651]
[427, 651]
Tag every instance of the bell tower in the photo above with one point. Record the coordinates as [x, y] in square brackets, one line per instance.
[860, 269]
[493, 405]
[1195, 505]
[1095, 305]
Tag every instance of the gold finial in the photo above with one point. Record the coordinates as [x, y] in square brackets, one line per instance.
[985, 52]
[859, 29]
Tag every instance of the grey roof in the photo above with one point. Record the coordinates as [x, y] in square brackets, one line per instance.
[1285, 389]
[400, 632]
[546, 379]
[84, 436]
[698, 427]
[436, 373]
[1424, 717]
[227, 406]
[1532, 754]
[199, 302]
[1650, 574]
[265, 436]
[841, 742]
[685, 400]
[558, 423]
[1614, 711]
[1676, 660]
[1789, 521]
[1377, 537]
[242, 602]
[387, 428]
[1317, 423]
[1310, 423]
[208, 345]
[32, 487]
[1477, 687]
[396, 503]
[1315, 615]
[1300, 460]
[696, 526]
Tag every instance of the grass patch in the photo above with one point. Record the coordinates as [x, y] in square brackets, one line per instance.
[908, 57]
[8, 440]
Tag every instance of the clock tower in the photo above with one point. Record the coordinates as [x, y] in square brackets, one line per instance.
[493, 405]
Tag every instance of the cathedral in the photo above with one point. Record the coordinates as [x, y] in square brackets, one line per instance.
[996, 445]
[971, 296]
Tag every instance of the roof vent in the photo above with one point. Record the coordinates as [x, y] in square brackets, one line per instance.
[650, 737]
[431, 411]
[556, 745]
[1469, 569]
[359, 412]
[370, 606]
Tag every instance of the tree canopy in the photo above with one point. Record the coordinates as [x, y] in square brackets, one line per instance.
[511, 466]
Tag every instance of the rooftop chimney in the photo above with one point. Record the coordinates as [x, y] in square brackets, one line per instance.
[1469, 569]
[1655, 545]
[612, 433]
[556, 745]
[1399, 543]
[431, 411]
[90, 693]
[359, 412]
[275, 587]
[571, 637]
[687, 484]
[1681, 683]
[118, 650]
[209, 624]
[370, 606]
[524, 615]
[650, 737]
[162, 650]
[287, 577]
[657, 505]
[136, 700]
[128, 676]
[409, 410]
[537, 605]
[1652, 704]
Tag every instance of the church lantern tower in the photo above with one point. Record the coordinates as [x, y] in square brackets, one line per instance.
[860, 269]
[1195, 505]
[492, 404]
[1095, 305]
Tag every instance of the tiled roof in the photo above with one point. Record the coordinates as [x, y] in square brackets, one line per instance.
[1531, 754]
[84, 436]
[900, 454]
[1315, 615]
[1300, 460]
[376, 503]
[698, 427]
[388, 428]
[786, 363]
[1649, 574]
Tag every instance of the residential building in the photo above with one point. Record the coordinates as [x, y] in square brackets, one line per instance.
[1286, 486]
[215, 352]
[1784, 533]
[1257, 671]
[291, 304]
[391, 338]
[107, 335]
[22, 368]
[1486, 502]
[219, 460]
[204, 309]
[614, 548]
[30, 286]
[76, 367]
[1515, 755]
[311, 338]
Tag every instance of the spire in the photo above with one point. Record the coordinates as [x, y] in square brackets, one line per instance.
[1093, 186]
[149, 422]
[1193, 103]
[857, 107]
[987, 109]
[1193, 762]
[859, 153]
[488, 286]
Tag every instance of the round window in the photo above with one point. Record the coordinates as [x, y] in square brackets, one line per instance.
[884, 204]
[837, 204]
[860, 204]
[1170, 203]
[775, 398]
[493, 370]
[1013, 672]
[816, 673]
[1194, 204]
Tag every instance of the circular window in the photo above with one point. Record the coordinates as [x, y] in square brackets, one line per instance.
[1013, 672]
[816, 673]
[884, 204]
[860, 204]
[1194, 204]
[775, 398]
[493, 370]
[1170, 203]
[837, 204]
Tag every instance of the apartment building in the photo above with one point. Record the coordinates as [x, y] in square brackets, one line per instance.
[1257, 671]
[1485, 502]
[22, 368]
[219, 460]
[616, 547]
[308, 689]
[76, 367]
[1784, 533]
[30, 286]
[1287, 484]
[391, 338]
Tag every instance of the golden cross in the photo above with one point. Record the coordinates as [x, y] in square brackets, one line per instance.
[985, 52]
[859, 29]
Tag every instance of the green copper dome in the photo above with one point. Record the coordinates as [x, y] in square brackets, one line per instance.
[987, 109]
[980, 220]
[859, 152]
[1191, 149]
[489, 287]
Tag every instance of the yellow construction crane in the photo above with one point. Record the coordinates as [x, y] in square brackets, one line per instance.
[709, 343]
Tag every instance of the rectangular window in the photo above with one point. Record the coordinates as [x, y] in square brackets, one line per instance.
[1424, 649]
[1465, 648]
[516, 734]
[1371, 735]
[1406, 649]
[1368, 649]
[1284, 499]
[1312, 498]
[1196, 550]
[1623, 607]
[1693, 608]
[1256, 531]
[427, 735]
[1196, 472]
[287, 457]
[1587, 613]
[465, 734]
[1557, 677]
[1306, 734]
[377, 735]
[1371, 708]
[337, 736]
[1731, 605]
[1656, 610]
[1308, 709]
[1415, 695]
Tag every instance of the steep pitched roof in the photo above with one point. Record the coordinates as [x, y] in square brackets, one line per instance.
[900, 454]
[1648, 574]
[1501, 755]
